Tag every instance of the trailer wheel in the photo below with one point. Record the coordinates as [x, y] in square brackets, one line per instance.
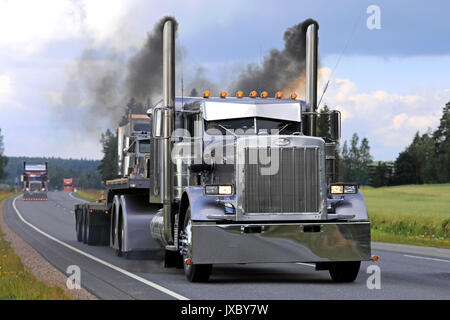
[194, 272]
[78, 226]
[120, 236]
[91, 238]
[345, 271]
[83, 225]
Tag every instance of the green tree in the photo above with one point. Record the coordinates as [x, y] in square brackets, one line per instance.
[364, 160]
[442, 145]
[3, 158]
[405, 169]
[108, 166]
[194, 92]
[380, 176]
[421, 155]
[323, 123]
[354, 161]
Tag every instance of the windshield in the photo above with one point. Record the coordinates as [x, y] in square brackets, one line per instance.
[35, 186]
[246, 126]
[142, 126]
[34, 179]
[144, 146]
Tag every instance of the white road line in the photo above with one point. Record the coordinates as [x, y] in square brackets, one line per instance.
[425, 258]
[125, 272]
[78, 199]
[307, 264]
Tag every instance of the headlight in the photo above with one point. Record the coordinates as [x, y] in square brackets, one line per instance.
[223, 190]
[211, 190]
[350, 189]
[343, 189]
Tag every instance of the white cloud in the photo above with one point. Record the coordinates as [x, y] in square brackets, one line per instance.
[27, 25]
[388, 119]
[5, 86]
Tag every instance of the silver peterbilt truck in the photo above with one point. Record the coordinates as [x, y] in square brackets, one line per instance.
[234, 180]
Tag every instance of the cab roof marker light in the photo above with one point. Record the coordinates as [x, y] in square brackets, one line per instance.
[206, 94]
[264, 94]
[253, 94]
[279, 95]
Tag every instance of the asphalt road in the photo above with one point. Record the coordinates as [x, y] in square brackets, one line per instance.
[48, 226]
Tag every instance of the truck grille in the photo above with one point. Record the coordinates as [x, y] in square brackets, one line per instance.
[294, 187]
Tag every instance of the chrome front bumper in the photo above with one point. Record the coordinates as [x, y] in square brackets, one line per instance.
[280, 242]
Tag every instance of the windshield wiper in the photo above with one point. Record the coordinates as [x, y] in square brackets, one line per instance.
[227, 129]
[283, 127]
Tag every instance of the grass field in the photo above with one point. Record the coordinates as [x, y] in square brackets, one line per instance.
[16, 283]
[90, 194]
[412, 214]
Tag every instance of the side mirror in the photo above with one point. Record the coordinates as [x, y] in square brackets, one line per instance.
[162, 122]
[149, 112]
[335, 125]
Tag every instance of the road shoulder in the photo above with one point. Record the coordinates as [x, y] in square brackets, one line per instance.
[406, 248]
[35, 263]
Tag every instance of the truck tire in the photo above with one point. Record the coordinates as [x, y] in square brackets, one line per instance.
[83, 225]
[120, 236]
[194, 272]
[78, 216]
[91, 232]
[345, 271]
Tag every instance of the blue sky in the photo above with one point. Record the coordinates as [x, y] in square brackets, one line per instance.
[389, 83]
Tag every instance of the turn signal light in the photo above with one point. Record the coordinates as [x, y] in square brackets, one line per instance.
[293, 96]
[264, 94]
[206, 94]
[253, 94]
[239, 94]
[279, 95]
[375, 258]
[223, 94]
[337, 189]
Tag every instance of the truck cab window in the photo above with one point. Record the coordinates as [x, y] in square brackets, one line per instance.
[142, 126]
[231, 126]
[274, 126]
[191, 122]
[246, 126]
[144, 146]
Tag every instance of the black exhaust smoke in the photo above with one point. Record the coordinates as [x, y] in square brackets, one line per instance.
[280, 68]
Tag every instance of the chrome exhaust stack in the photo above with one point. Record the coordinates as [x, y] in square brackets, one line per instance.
[167, 123]
[311, 77]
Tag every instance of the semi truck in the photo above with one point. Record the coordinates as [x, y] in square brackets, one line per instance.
[35, 184]
[67, 185]
[231, 180]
